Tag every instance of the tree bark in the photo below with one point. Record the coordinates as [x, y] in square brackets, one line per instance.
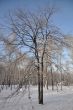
[41, 83]
[38, 85]
[52, 79]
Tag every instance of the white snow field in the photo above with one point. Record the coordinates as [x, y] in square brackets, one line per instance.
[53, 100]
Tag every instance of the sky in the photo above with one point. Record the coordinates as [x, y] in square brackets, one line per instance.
[63, 18]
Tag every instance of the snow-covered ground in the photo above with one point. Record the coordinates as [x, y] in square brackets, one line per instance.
[53, 100]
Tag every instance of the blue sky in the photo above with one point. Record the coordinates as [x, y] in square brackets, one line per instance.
[63, 18]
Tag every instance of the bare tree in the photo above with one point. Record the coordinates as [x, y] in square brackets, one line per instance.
[32, 33]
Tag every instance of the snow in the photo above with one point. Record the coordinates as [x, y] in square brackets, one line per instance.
[53, 100]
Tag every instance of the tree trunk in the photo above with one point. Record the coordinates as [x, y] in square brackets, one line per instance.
[61, 80]
[38, 85]
[41, 83]
[52, 79]
[47, 84]
[41, 89]
[61, 70]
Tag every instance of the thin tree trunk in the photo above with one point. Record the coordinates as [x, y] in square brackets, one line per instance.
[38, 85]
[61, 71]
[41, 83]
[46, 76]
[61, 79]
[47, 84]
[52, 79]
[41, 90]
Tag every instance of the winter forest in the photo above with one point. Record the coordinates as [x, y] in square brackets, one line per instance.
[36, 59]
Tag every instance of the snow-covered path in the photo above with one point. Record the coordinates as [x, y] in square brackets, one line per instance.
[62, 100]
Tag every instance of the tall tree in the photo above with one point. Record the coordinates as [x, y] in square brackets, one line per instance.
[32, 34]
